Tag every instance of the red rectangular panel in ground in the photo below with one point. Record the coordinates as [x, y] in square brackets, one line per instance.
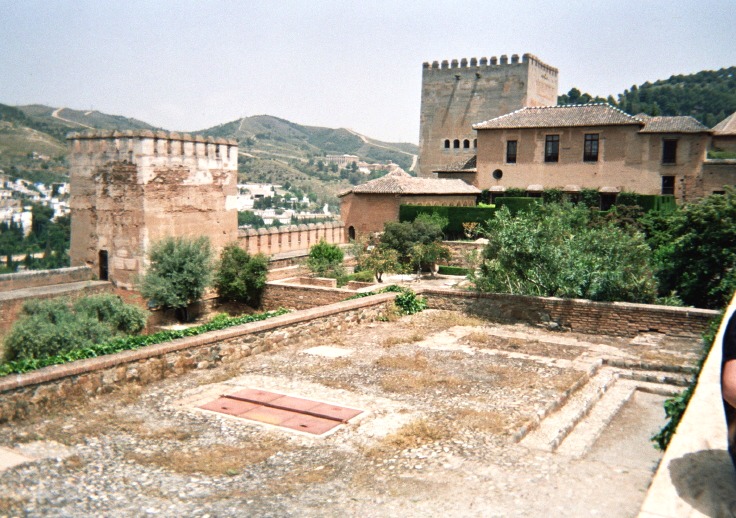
[268, 415]
[339, 413]
[310, 424]
[294, 403]
[260, 396]
[228, 406]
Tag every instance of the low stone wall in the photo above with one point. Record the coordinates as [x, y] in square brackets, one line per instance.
[11, 302]
[283, 294]
[35, 278]
[291, 238]
[460, 252]
[21, 395]
[583, 316]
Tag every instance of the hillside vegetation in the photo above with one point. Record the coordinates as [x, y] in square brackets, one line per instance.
[709, 96]
[272, 150]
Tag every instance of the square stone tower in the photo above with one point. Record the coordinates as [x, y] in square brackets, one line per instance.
[458, 94]
[130, 189]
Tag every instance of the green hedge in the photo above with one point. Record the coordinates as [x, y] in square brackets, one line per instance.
[133, 342]
[455, 215]
[648, 202]
[517, 204]
[452, 270]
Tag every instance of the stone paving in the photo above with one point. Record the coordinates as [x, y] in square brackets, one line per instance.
[463, 417]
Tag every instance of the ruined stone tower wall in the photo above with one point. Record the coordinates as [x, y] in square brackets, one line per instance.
[130, 189]
[457, 94]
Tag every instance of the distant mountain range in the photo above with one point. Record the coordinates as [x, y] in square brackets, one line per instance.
[272, 149]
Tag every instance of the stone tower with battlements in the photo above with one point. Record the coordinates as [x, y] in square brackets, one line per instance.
[458, 94]
[130, 189]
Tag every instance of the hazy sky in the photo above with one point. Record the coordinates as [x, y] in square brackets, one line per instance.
[188, 65]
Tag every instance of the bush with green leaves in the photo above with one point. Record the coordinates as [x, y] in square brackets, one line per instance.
[554, 251]
[49, 327]
[240, 276]
[179, 272]
[325, 260]
[695, 250]
[403, 236]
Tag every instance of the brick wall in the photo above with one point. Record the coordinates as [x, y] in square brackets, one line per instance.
[22, 395]
[297, 296]
[292, 238]
[583, 316]
[32, 279]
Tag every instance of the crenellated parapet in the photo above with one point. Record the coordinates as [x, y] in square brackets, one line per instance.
[290, 238]
[154, 148]
[492, 62]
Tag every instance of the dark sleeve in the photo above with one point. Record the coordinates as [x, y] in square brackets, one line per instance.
[729, 340]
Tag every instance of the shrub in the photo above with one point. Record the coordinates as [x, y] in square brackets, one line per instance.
[325, 260]
[554, 251]
[241, 277]
[409, 303]
[452, 270]
[180, 270]
[50, 327]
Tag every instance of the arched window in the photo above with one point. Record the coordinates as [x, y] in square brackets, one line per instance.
[466, 144]
[351, 232]
[456, 144]
[447, 143]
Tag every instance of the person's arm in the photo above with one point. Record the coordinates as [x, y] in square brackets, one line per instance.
[728, 382]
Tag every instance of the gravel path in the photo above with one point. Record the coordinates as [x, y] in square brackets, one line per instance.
[444, 396]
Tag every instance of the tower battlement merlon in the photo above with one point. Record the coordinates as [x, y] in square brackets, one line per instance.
[146, 143]
[534, 60]
[493, 61]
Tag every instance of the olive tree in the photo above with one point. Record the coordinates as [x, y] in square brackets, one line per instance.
[179, 272]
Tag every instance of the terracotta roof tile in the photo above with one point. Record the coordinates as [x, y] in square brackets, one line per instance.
[462, 166]
[598, 114]
[671, 124]
[726, 127]
[400, 182]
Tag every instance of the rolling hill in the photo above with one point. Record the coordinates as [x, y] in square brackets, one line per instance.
[272, 149]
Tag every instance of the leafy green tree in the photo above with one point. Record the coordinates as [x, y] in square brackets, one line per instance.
[240, 276]
[246, 217]
[403, 236]
[325, 260]
[697, 253]
[379, 260]
[425, 255]
[180, 270]
[555, 251]
[49, 327]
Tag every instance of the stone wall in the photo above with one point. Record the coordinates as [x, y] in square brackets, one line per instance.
[461, 250]
[21, 395]
[283, 294]
[291, 238]
[716, 174]
[458, 94]
[130, 189]
[34, 278]
[577, 315]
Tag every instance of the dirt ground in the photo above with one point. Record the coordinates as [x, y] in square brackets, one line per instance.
[451, 407]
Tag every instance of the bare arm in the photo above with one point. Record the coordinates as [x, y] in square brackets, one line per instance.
[728, 382]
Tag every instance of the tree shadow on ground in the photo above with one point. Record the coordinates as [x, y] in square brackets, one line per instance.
[707, 481]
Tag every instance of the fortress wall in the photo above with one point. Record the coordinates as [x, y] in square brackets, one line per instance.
[458, 94]
[291, 238]
[34, 278]
[132, 188]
